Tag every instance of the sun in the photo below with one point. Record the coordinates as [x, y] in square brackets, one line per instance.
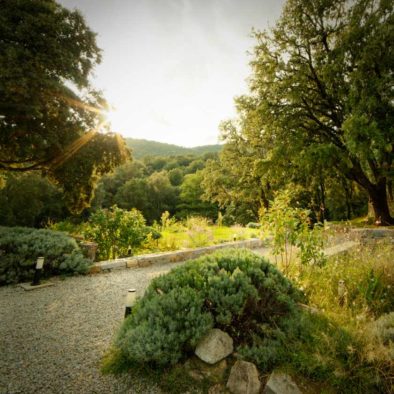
[110, 116]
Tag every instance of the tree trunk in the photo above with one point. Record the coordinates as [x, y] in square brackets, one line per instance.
[348, 189]
[264, 199]
[378, 196]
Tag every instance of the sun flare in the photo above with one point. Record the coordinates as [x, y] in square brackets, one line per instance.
[110, 117]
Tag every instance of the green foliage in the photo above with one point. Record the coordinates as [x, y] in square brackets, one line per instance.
[198, 232]
[156, 185]
[190, 199]
[163, 327]
[30, 200]
[232, 184]
[235, 290]
[48, 108]
[176, 176]
[253, 225]
[166, 221]
[142, 148]
[72, 227]
[368, 275]
[20, 247]
[163, 195]
[383, 328]
[291, 227]
[116, 231]
[318, 106]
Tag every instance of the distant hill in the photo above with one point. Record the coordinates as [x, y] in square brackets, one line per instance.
[142, 148]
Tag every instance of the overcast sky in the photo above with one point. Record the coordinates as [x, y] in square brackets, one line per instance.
[171, 68]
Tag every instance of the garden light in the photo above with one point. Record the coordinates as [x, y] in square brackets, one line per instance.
[38, 271]
[130, 300]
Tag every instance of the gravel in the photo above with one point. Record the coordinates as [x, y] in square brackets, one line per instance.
[52, 339]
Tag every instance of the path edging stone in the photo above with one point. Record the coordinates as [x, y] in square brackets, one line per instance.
[170, 257]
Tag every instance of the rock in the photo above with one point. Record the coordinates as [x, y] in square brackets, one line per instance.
[199, 370]
[244, 378]
[215, 346]
[89, 249]
[280, 383]
[94, 269]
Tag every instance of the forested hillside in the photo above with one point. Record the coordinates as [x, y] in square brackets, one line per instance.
[142, 148]
[153, 184]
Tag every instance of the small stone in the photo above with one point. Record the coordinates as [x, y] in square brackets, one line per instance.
[244, 378]
[280, 383]
[215, 346]
[132, 263]
[144, 263]
[94, 269]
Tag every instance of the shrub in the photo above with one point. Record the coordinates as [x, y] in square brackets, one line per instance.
[198, 232]
[382, 330]
[20, 247]
[253, 225]
[166, 221]
[116, 231]
[234, 290]
[153, 233]
[75, 229]
[291, 227]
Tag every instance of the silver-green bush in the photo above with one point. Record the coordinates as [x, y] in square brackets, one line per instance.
[234, 290]
[20, 247]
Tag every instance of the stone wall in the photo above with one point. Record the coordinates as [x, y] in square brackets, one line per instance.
[170, 257]
[368, 235]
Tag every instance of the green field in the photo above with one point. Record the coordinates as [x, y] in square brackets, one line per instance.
[180, 237]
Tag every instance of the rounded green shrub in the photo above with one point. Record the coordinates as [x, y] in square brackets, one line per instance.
[20, 247]
[117, 230]
[234, 290]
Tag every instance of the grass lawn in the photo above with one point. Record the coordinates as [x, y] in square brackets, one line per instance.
[178, 237]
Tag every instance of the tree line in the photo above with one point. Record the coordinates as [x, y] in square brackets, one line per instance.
[182, 185]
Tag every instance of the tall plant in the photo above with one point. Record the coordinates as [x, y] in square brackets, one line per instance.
[292, 228]
[116, 231]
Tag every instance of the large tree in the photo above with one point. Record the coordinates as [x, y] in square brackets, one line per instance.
[322, 91]
[50, 117]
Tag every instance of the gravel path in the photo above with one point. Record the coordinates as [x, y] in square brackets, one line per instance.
[52, 339]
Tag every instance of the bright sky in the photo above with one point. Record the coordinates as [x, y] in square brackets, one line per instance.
[171, 68]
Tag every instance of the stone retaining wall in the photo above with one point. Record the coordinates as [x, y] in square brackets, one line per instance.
[170, 257]
[367, 235]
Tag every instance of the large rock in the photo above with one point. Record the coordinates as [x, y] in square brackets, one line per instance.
[244, 378]
[215, 346]
[280, 383]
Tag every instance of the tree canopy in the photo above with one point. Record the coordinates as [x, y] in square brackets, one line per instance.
[50, 116]
[321, 97]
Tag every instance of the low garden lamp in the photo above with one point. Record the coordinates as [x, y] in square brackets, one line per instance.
[38, 271]
[130, 301]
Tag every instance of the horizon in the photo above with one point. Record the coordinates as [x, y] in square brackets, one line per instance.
[168, 143]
